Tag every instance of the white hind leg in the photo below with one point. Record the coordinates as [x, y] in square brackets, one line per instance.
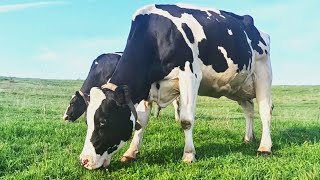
[263, 81]
[175, 104]
[248, 109]
[189, 84]
[156, 111]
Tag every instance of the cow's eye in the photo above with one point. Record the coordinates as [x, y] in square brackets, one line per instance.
[102, 122]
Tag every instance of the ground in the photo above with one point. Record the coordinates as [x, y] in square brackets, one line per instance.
[36, 143]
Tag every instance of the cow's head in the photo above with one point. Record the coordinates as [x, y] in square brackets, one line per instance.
[110, 125]
[77, 106]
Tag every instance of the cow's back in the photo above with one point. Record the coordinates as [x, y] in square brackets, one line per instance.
[101, 70]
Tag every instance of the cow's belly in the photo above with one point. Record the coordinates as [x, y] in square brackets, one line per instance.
[233, 85]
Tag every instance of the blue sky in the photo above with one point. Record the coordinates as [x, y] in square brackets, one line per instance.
[60, 39]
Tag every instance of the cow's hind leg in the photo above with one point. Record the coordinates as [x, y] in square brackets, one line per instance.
[263, 80]
[248, 109]
[189, 84]
[156, 111]
[176, 106]
[143, 110]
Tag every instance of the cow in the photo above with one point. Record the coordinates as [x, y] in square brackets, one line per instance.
[100, 71]
[179, 50]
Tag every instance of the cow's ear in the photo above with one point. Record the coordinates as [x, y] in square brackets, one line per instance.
[122, 95]
[78, 94]
[86, 98]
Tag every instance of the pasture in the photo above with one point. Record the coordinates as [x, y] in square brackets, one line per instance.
[35, 143]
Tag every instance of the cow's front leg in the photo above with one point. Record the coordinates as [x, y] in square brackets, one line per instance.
[143, 110]
[189, 84]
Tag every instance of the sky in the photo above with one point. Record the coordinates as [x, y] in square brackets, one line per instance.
[60, 39]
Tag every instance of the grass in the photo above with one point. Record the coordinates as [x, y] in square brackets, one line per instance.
[35, 143]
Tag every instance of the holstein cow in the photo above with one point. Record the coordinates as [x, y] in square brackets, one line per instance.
[181, 50]
[101, 70]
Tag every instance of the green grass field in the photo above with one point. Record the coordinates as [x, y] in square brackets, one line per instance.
[35, 143]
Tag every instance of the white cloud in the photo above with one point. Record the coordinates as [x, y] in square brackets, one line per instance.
[47, 55]
[71, 59]
[21, 6]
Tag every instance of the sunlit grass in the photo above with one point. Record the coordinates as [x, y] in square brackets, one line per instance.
[35, 143]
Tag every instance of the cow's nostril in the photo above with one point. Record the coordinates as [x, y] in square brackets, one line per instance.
[66, 117]
[84, 162]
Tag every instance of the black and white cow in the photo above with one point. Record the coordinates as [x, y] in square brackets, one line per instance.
[101, 70]
[181, 50]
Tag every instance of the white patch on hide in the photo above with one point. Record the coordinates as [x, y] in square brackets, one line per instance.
[117, 53]
[188, 6]
[225, 55]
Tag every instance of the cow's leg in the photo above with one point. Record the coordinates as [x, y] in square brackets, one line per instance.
[175, 104]
[248, 109]
[143, 110]
[189, 84]
[156, 111]
[263, 77]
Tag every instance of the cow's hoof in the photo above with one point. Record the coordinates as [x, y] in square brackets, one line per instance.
[264, 149]
[264, 153]
[189, 158]
[247, 140]
[127, 159]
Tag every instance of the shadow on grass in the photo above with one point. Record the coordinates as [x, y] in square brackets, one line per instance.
[293, 135]
[296, 135]
[174, 154]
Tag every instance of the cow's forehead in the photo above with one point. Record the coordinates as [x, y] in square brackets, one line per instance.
[73, 98]
[96, 98]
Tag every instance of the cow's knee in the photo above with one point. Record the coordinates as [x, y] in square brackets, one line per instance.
[185, 124]
[186, 120]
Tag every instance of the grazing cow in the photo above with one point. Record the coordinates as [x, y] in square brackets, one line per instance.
[101, 70]
[179, 50]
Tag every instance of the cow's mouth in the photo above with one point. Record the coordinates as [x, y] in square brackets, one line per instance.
[66, 117]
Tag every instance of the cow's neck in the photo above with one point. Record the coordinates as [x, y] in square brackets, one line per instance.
[88, 84]
[133, 71]
[94, 81]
